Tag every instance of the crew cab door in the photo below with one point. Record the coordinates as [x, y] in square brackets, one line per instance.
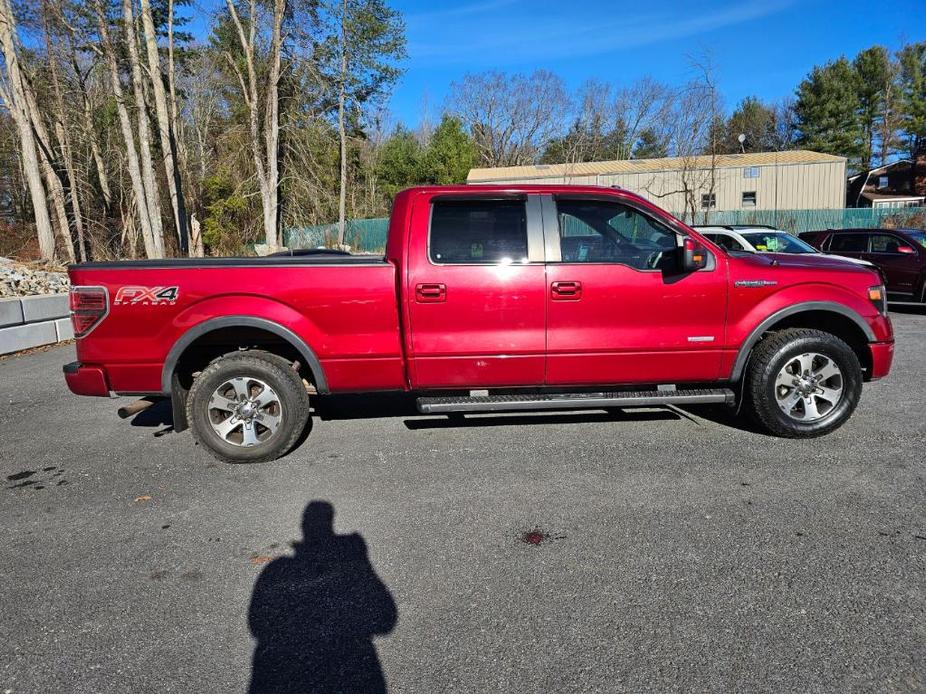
[618, 308]
[902, 270]
[475, 292]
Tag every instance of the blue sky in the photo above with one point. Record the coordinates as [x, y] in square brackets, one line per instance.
[758, 47]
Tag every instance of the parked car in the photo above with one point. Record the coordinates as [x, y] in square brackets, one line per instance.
[900, 254]
[488, 298]
[763, 239]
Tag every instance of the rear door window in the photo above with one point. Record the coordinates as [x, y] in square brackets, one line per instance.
[885, 243]
[478, 232]
[849, 243]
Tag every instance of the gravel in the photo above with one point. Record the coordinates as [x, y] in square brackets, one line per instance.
[17, 279]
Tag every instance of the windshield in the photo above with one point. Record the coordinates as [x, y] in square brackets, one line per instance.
[777, 242]
[918, 236]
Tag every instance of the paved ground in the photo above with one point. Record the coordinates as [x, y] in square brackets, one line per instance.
[683, 554]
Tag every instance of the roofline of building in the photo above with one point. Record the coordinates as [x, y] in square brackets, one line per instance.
[701, 163]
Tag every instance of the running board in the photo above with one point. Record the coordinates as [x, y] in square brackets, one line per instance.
[577, 401]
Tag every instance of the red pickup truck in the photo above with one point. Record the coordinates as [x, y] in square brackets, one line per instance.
[489, 298]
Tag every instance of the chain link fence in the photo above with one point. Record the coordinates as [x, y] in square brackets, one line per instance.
[369, 235]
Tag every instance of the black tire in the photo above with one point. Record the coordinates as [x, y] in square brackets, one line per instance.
[768, 359]
[277, 373]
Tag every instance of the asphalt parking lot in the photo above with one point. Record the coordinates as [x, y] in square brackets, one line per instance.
[674, 552]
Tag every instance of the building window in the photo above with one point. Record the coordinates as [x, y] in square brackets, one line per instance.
[882, 182]
[708, 201]
[749, 199]
[751, 172]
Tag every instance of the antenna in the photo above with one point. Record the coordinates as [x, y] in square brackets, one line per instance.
[741, 138]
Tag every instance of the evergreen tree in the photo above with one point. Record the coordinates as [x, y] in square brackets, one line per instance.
[650, 146]
[912, 60]
[827, 110]
[753, 119]
[875, 76]
[450, 154]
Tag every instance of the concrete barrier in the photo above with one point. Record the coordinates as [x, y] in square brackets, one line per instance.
[32, 321]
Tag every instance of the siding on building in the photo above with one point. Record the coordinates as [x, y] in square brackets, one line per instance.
[780, 180]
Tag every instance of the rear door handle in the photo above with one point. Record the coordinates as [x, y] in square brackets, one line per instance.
[430, 293]
[566, 291]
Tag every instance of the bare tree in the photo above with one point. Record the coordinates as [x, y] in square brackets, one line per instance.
[645, 105]
[166, 130]
[60, 125]
[151, 235]
[152, 194]
[692, 133]
[343, 47]
[88, 130]
[512, 118]
[265, 150]
[13, 94]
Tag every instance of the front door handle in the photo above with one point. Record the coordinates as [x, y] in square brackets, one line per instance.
[566, 291]
[431, 293]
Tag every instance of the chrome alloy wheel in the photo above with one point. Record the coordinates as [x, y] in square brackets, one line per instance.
[809, 387]
[245, 411]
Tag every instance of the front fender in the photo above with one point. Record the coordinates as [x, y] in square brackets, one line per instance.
[747, 329]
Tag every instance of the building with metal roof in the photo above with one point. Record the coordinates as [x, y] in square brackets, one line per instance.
[797, 179]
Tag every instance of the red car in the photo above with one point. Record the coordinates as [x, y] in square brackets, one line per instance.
[900, 255]
[488, 298]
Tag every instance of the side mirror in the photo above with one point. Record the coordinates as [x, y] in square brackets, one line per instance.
[694, 255]
[906, 250]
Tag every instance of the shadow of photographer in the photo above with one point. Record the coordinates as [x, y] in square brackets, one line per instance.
[314, 614]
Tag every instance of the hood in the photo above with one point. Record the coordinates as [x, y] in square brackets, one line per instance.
[854, 261]
[809, 261]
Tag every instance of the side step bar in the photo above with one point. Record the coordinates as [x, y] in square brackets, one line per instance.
[575, 401]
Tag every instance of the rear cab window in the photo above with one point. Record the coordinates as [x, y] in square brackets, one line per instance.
[477, 231]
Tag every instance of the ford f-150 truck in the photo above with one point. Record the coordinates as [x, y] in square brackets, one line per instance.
[489, 298]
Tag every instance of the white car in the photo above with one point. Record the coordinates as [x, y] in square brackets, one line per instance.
[760, 239]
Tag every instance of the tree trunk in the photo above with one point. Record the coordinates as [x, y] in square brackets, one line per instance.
[15, 101]
[64, 141]
[342, 132]
[266, 161]
[144, 133]
[272, 128]
[166, 134]
[138, 185]
[89, 129]
[196, 238]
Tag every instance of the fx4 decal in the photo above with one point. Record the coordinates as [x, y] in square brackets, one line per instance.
[146, 296]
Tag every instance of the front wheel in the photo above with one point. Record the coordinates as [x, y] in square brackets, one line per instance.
[802, 383]
[248, 407]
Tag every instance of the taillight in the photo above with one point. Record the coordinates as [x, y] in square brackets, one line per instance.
[89, 306]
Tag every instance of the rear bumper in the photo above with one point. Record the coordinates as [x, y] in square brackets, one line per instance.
[882, 355]
[86, 380]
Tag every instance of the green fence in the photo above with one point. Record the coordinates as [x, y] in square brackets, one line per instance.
[369, 235]
[362, 235]
[797, 221]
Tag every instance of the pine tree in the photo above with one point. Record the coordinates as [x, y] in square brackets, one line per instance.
[827, 110]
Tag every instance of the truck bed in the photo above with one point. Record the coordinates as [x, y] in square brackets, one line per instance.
[345, 307]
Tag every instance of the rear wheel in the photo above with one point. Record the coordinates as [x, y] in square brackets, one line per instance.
[248, 407]
[802, 383]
